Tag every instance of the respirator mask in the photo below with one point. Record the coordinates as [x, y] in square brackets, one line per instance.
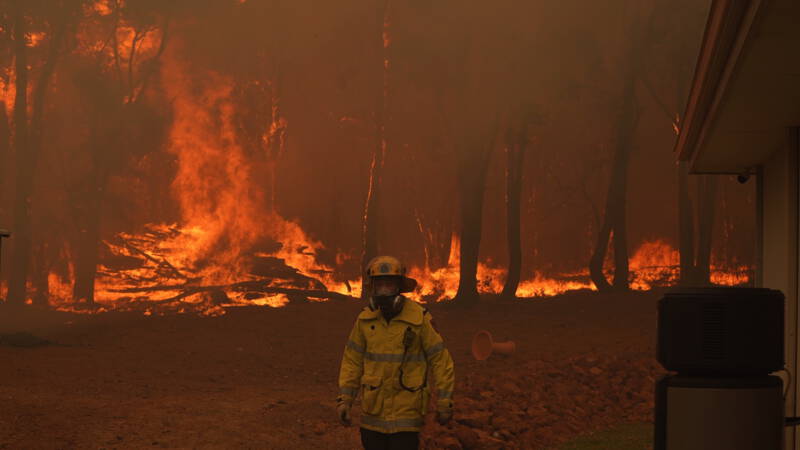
[386, 295]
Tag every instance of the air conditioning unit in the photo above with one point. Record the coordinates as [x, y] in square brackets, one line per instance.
[723, 343]
[721, 331]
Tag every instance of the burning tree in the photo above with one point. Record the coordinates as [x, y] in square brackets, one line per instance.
[371, 224]
[673, 35]
[165, 174]
[113, 82]
[39, 30]
[660, 43]
[615, 217]
[516, 144]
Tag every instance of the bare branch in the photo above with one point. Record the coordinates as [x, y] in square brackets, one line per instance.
[138, 36]
[117, 62]
[154, 60]
[664, 108]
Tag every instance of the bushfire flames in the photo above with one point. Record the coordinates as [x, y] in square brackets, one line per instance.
[229, 249]
[164, 275]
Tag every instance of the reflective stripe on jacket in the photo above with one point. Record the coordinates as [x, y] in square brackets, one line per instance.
[371, 365]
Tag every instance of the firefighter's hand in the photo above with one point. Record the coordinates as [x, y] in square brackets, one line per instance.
[444, 415]
[343, 412]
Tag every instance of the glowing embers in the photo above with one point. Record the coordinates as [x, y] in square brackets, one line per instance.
[35, 38]
[102, 7]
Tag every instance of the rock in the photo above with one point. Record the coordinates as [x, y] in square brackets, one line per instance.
[319, 428]
[449, 443]
[467, 437]
[475, 419]
[510, 387]
[500, 423]
[467, 403]
[486, 441]
[595, 370]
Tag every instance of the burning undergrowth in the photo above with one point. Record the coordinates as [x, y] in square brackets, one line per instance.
[229, 249]
[227, 245]
[153, 272]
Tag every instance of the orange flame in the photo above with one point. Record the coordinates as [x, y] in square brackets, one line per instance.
[654, 263]
[210, 259]
[35, 38]
[102, 7]
[206, 263]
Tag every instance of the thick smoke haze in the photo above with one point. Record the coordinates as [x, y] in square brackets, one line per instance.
[232, 117]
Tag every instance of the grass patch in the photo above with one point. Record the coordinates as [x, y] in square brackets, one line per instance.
[637, 436]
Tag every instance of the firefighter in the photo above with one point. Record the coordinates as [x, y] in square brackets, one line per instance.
[387, 356]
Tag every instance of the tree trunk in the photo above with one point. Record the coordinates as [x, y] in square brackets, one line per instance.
[276, 141]
[370, 219]
[86, 261]
[473, 168]
[621, 270]
[6, 173]
[103, 137]
[707, 193]
[686, 230]
[39, 279]
[29, 142]
[615, 217]
[515, 152]
[21, 238]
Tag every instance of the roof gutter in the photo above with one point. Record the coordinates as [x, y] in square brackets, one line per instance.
[728, 26]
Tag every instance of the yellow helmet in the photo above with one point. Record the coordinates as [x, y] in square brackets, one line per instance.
[382, 266]
[386, 266]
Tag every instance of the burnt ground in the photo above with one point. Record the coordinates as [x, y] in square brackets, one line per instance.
[266, 378]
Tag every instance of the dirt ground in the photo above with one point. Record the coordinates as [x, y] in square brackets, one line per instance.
[266, 378]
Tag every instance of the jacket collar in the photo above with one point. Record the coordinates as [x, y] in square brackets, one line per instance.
[411, 313]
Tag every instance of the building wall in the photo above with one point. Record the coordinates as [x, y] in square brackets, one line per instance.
[778, 217]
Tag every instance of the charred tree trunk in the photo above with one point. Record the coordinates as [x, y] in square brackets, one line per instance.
[108, 124]
[621, 269]
[5, 155]
[89, 241]
[615, 218]
[24, 162]
[6, 178]
[686, 231]
[516, 144]
[28, 145]
[276, 141]
[39, 279]
[106, 127]
[707, 193]
[473, 167]
[370, 219]
[614, 221]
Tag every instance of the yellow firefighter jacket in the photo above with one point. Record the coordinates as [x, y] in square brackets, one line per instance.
[372, 362]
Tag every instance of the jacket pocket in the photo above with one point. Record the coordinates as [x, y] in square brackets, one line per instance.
[371, 398]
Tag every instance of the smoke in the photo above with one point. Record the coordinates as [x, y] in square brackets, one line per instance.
[186, 133]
